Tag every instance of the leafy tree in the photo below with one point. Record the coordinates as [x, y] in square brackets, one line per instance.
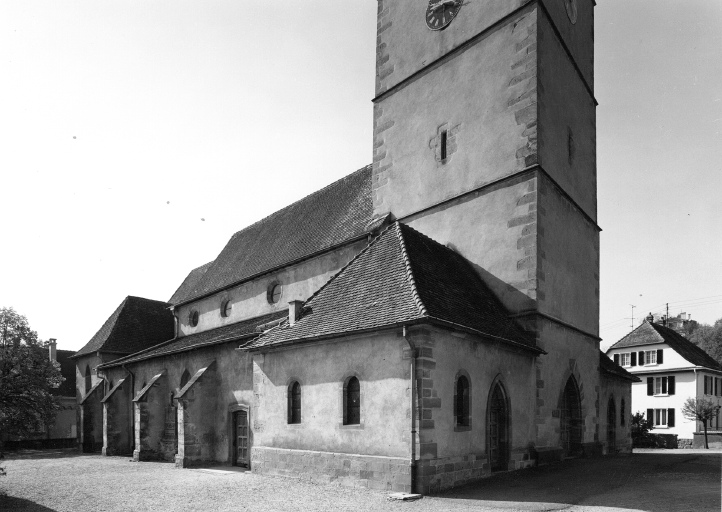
[26, 378]
[709, 339]
[15, 330]
[641, 438]
[700, 409]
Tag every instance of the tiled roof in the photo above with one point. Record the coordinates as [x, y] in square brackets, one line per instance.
[612, 368]
[401, 277]
[335, 214]
[136, 324]
[190, 282]
[651, 333]
[223, 334]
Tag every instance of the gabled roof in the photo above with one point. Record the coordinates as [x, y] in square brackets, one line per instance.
[136, 324]
[651, 333]
[402, 277]
[233, 332]
[325, 219]
[609, 367]
[189, 283]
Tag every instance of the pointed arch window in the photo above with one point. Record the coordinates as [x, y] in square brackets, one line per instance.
[294, 403]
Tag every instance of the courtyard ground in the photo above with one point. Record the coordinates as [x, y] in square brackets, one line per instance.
[658, 481]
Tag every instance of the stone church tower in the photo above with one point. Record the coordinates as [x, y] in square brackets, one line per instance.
[484, 140]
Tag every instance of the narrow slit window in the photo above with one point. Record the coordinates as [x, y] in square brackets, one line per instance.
[353, 402]
[294, 403]
[444, 138]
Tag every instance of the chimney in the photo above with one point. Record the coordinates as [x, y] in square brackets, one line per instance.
[650, 318]
[52, 349]
[294, 311]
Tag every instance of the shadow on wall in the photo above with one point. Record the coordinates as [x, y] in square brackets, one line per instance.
[21, 505]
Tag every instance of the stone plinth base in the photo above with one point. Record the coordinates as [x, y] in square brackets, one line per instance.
[372, 472]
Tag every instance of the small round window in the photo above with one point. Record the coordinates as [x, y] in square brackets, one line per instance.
[193, 318]
[226, 307]
[274, 293]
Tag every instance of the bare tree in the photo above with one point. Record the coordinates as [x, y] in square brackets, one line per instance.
[700, 409]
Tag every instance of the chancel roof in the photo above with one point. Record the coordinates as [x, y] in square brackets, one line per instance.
[651, 333]
[327, 218]
[136, 324]
[232, 332]
[402, 277]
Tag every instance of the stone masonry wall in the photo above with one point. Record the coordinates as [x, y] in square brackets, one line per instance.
[372, 472]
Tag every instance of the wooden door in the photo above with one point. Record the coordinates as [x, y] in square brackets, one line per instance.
[498, 430]
[240, 438]
[611, 427]
[571, 419]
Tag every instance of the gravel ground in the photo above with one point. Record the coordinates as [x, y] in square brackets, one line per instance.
[63, 481]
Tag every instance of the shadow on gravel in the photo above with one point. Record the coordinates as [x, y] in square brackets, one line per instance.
[650, 482]
[18, 504]
[57, 453]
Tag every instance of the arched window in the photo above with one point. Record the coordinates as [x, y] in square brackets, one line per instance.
[352, 402]
[294, 402]
[621, 413]
[88, 380]
[462, 402]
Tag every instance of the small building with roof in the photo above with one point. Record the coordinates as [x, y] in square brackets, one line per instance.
[671, 369]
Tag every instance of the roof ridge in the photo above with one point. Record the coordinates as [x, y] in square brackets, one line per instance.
[409, 270]
[628, 335]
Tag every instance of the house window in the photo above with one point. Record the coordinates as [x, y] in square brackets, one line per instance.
[661, 418]
[462, 401]
[650, 357]
[660, 386]
[624, 359]
[294, 403]
[352, 402]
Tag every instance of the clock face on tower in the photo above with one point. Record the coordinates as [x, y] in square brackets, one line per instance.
[440, 13]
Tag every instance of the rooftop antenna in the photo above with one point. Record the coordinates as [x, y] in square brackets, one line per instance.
[633, 306]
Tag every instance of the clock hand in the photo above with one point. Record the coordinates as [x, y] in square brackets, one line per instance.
[441, 3]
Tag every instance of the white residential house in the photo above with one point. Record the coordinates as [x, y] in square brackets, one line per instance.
[671, 369]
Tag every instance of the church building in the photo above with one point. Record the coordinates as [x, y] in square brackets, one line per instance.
[424, 321]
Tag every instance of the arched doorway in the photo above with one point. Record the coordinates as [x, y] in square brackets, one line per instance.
[611, 426]
[498, 429]
[571, 418]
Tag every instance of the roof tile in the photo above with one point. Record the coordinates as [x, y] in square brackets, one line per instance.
[650, 333]
[320, 221]
[402, 276]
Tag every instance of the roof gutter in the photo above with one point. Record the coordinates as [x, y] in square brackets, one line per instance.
[408, 323]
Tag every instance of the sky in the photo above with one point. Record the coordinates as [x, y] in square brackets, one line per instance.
[138, 136]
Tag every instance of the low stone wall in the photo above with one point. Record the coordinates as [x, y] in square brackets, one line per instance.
[435, 475]
[382, 473]
[684, 443]
[714, 439]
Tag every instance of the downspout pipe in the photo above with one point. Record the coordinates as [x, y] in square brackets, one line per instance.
[414, 353]
[132, 407]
